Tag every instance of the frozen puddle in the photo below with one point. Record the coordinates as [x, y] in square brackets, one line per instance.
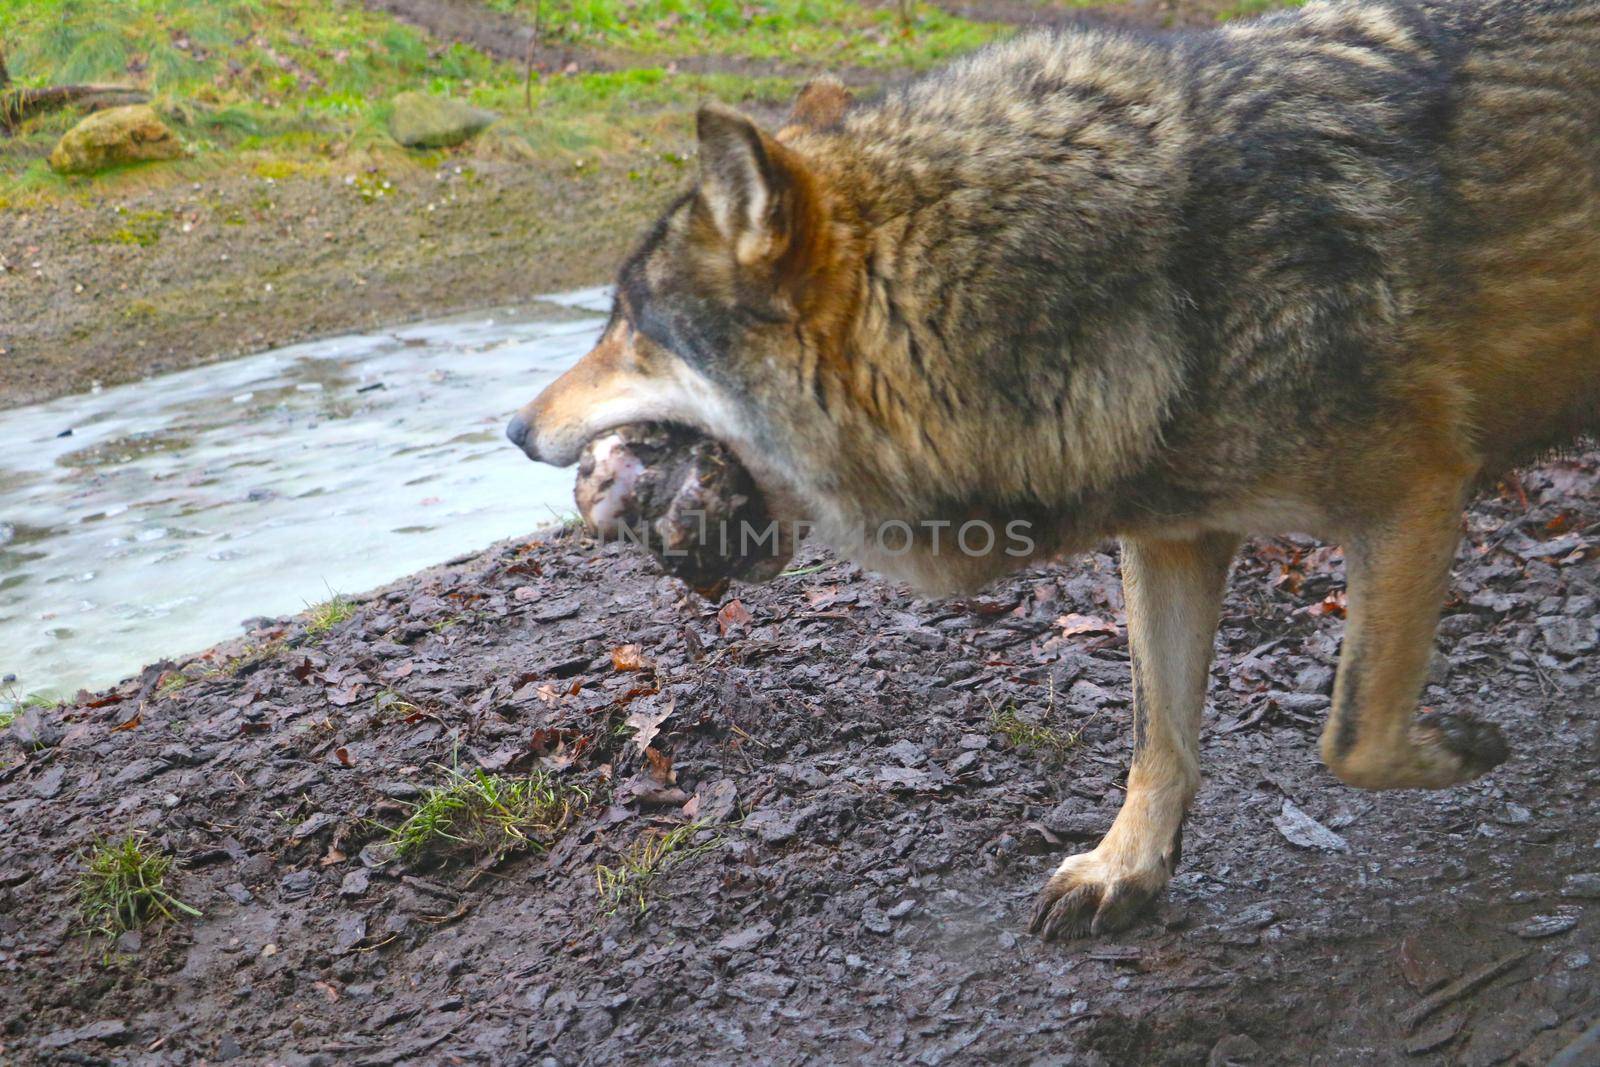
[180, 506]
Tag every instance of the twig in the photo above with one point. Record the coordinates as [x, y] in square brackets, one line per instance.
[533, 44]
[19, 104]
[1461, 987]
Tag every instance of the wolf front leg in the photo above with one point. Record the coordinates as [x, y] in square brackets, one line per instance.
[1173, 591]
[1399, 571]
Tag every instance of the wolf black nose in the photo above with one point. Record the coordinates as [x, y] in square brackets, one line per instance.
[517, 433]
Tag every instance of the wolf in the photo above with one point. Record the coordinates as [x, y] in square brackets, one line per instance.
[1330, 271]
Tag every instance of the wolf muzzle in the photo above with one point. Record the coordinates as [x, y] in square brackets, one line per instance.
[519, 432]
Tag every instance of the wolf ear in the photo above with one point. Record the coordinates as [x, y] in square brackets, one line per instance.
[821, 103]
[748, 185]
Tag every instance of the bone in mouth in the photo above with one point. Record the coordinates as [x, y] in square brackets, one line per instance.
[687, 496]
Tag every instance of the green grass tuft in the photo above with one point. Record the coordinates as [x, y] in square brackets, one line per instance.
[123, 886]
[320, 618]
[832, 31]
[628, 884]
[12, 705]
[1034, 736]
[486, 816]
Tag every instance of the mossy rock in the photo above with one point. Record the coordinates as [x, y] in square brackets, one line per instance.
[109, 138]
[423, 121]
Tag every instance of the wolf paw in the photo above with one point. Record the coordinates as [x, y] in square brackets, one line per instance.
[1088, 896]
[1477, 746]
[1439, 749]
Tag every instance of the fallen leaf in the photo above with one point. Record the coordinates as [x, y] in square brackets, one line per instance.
[628, 658]
[1332, 604]
[547, 694]
[344, 696]
[130, 724]
[646, 723]
[328, 991]
[342, 754]
[660, 766]
[732, 614]
[1074, 624]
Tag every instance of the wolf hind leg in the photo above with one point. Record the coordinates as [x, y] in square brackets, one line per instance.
[1173, 591]
[1399, 571]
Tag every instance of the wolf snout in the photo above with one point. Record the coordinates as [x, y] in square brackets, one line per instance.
[520, 433]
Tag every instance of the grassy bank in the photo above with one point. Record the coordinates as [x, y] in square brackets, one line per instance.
[308, 84]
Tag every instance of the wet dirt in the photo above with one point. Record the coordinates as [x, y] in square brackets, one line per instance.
[878, 837]
[244, 264]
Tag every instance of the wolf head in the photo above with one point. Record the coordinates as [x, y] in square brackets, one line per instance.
[731, 317]
[889, 317]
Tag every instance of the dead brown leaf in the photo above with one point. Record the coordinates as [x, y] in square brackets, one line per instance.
[1332, 604]
[732, 614]
[1074, 624]
[628, 658]
[660, 766]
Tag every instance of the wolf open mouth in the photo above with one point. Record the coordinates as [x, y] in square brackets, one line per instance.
[687, 498]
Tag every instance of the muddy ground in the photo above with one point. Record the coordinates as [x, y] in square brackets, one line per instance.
[234, 264]
[878, 838]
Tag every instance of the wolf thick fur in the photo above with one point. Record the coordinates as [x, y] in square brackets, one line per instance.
[1326, 271]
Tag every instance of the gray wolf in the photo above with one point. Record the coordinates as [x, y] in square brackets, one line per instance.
[1329, 271]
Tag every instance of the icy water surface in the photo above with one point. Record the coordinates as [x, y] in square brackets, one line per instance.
[180, 506]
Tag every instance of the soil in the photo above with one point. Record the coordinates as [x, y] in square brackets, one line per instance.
[236, 264]
[878, 838]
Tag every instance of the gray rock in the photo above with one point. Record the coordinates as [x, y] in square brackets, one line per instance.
[1234, 1049]
[31, 730]
[1069, 820]
[104, 1030]
[348, 931]
[1541, 926]
[1300, 829]
[297, 884]
[312, 826]
[378, 855]
[774, 826]
[1315, 679]
[1582, 886]
[138, 771]
[746, 938]
[718, 801]
[48, 784]
[355, 883]
[1567, 635]
[907, 753]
